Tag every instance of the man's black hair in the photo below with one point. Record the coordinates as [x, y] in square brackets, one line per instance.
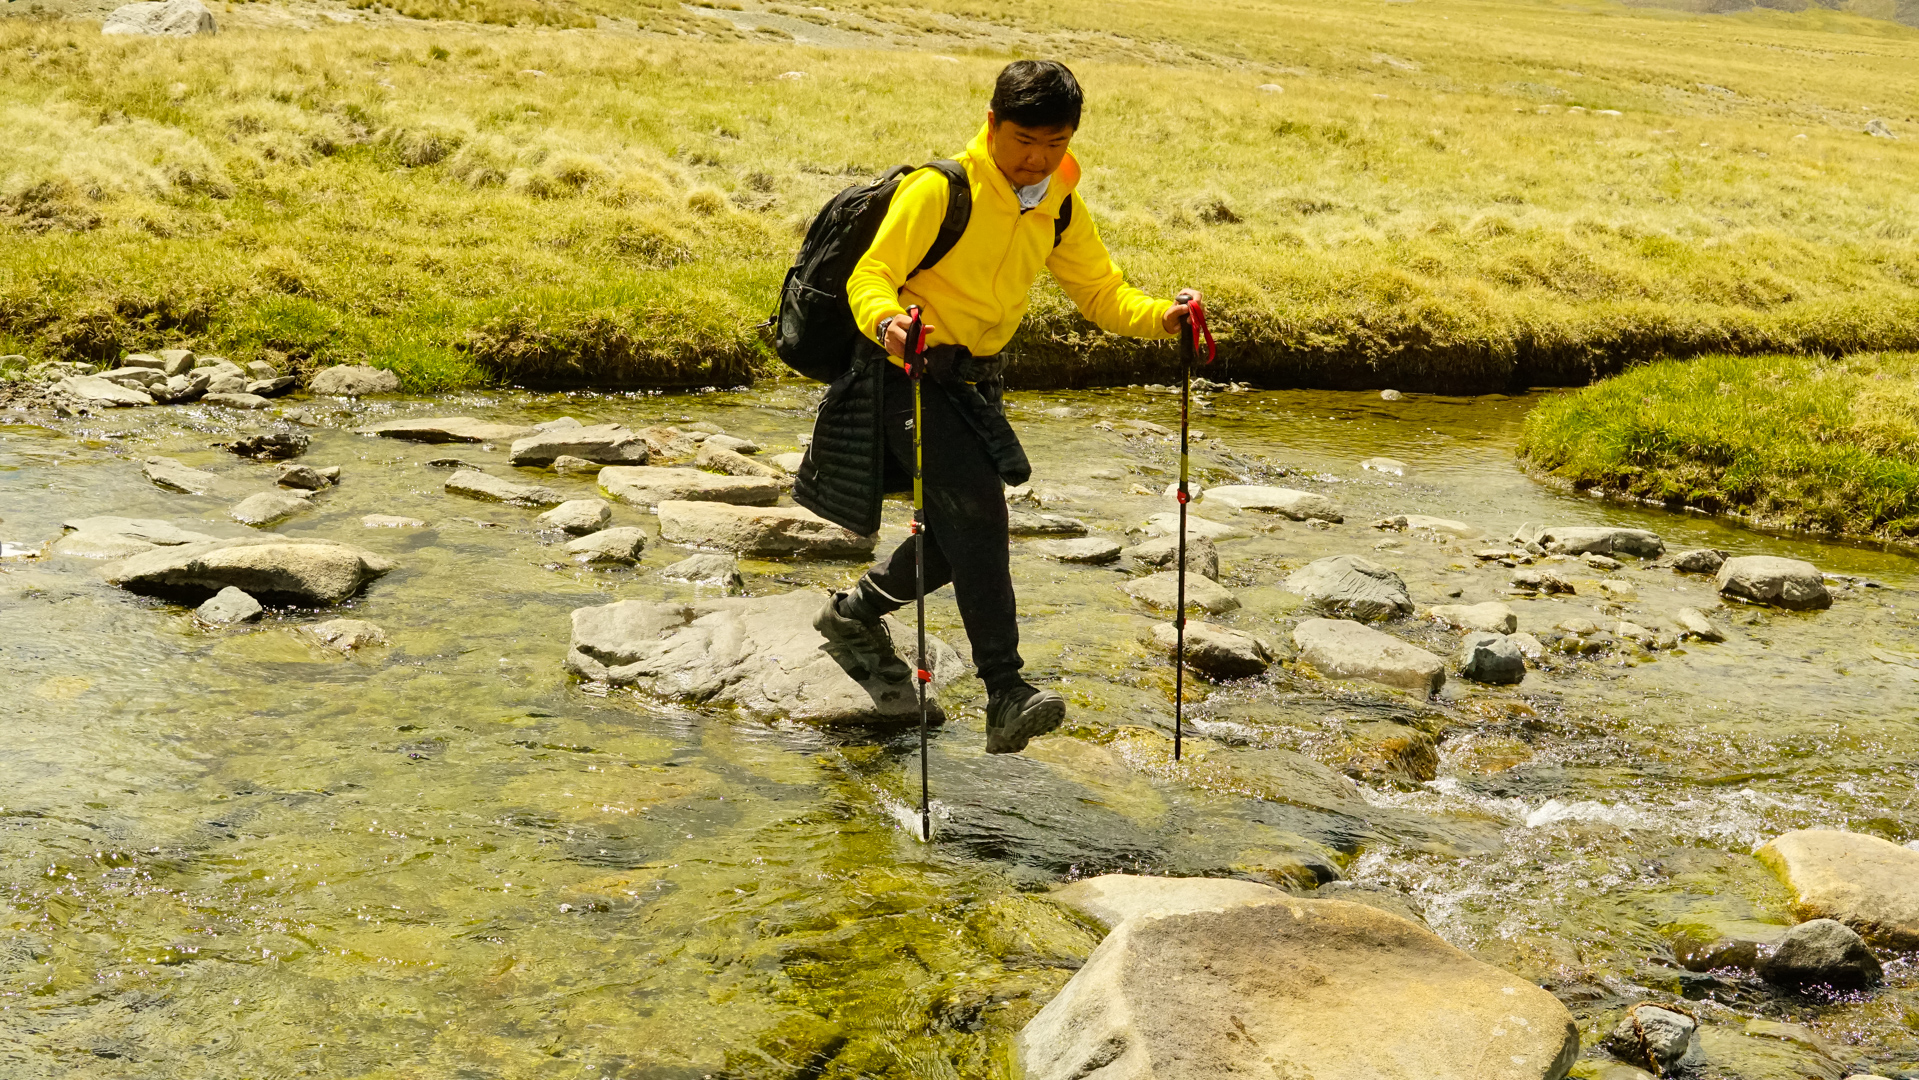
[1037, 94]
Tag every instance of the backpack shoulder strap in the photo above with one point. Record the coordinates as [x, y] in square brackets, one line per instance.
[959, 210]
[1064, 219]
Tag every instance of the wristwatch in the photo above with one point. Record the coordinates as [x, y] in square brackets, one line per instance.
[884, 323]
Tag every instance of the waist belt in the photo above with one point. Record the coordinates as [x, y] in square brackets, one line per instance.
[976, 387]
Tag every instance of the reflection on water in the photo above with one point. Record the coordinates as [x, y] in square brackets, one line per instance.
[240, 854]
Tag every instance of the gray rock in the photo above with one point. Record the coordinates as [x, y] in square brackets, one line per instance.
[137, 378]
[1821, 952]
[93, 390]
[723, 441]
[1216, 651]
[221, 381]
[1529, 646]
[1660, 1039]
[648, 486]
[788, 462]
[1879, 129]
[345, 635]
[1027, 523]
[759, 532]
[717, 458]
[1111, 899]
[274, 387]
[1697, 951]
[567, 463]
[446, 429]
[1870, 884]
[1693, 623]
[269, 506]
[1167, 524]
[141, 530]
[304, 477]
[358, 380]
[1094, 550]
[1230, 983]
[478, 485]
[718, 571]
[577, 516]
[1699, 561]
[1385, 465]
[180, 389]
[1604, 563]
[1201, 556]
[619, 545]
[667, 443]
[1298, 505]
[1491, 617]
[271, 446]
[1161, 591]
[235, 400]
[150, 362]
[390, 521]
[1767, 579]
[170, 474]
[1391, 395]
[563, 423]
[169, 18]
[1343, 649]
[229, 606]
[1491, 658]
[1423, 523]
[759, 655]
[1600, 540]
[258, 369]
[1541, 581]
[277, 568]
[1350, 585]
[608, 444]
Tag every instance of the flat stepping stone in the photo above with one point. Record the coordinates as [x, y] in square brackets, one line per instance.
[1350, 585]
[1026, 523]
[236, 400]
[1161, 591]
[649, 486]
[1167, 524]
[1215, 650]
[620, 545]
[760, 656]
[717, 458]
[275, 568]
[446, 429]
[105, 393]
[1298, 505]
[1270, 984]
[357, 380]
[770, 532]
[268, 507]
[1423, 523]
[478, 485]
[1767, 579]
[1869, 884]
[1344, 649]
[1093, 550]
[607, 444]
[1601, 540]
[171, 474]
[719, 571]
[1491, 617]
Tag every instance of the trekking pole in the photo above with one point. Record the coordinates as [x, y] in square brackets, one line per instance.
[1195, 327]
[915, 367]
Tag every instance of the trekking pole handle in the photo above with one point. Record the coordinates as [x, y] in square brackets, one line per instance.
[915, 342]
[1196, 327]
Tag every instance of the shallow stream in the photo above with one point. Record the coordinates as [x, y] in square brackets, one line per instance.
[240, 854]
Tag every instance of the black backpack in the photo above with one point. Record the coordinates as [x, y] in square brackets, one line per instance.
[813, 329]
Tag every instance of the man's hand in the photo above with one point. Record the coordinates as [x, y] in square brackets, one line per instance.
[896, 335]
[1176, 315]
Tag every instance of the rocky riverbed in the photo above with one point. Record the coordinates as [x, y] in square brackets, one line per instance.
[479, 736]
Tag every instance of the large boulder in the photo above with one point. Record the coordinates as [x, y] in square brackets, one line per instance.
[759, 655]
[274, 568]
[475, 484]
[1871, 885]
[1601, 540]
[1350, 585]
[605, 444]
[1215, 650]
[173, 475]
[1298, 505]
[1768, 579]
[1348, 650]
[759, 532]
[1821, 952]
[649, 486]
[357, 380]
[1226, 983]
[1161, 591]
[171, 18]
[445, 429]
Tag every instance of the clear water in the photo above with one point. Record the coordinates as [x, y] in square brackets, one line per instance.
[237, 854]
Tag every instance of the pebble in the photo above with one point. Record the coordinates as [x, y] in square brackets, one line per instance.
[1391, 395]
[567, 463]
[1694, 623]
[1384, 465]
[1600, 562]
[1660, 1039]
[229, 606]
[268, 507]
[306, 477]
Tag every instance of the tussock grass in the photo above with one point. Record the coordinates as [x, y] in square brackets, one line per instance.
[1830, 446]
[1433, 200]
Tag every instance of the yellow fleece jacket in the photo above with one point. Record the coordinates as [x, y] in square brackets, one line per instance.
[977, 294]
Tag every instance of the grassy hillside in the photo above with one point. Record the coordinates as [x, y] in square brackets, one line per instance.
[1445, 194]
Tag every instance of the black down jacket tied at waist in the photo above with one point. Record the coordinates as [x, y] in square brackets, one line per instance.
[847, 470]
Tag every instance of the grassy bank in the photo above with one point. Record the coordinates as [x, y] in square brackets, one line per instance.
[1830, 446]
[1436, 198]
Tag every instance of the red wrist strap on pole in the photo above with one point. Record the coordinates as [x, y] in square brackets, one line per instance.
[1196, 314]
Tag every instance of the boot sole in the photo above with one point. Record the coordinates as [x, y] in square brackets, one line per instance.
[1041, 718]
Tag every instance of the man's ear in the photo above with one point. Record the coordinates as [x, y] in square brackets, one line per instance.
[992, 119]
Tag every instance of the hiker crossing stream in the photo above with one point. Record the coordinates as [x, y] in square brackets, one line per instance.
[476, 768]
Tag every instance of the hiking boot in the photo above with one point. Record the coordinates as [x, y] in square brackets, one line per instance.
[864, 649]
[1016, 716]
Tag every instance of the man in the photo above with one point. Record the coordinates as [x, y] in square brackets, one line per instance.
[1024, 216]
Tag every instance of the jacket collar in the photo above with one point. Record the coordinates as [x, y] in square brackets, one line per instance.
[1065, 179]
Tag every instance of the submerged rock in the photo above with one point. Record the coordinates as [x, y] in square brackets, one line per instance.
[268, 507]
[1491, 617]
[359, 380]
[228, 606]
[478, 485]
[718, 571]
[298, 571]
[1093, 550]
[1298, 505]
[391, 521]
[1600, 540]
[1350, 585]
[1216, 651]
[272, 446]
[1821, 952]
[1167, 525]
[1161, 591]
[172, 475]
[1201, 556]
[760, 532]
[1344, 649]
[577, 516]
[345, 635]
[117, 537]
[648, 486]
[759, 655]
[1491, 658]
[608, 444]
[1423, 523]
[1660, 1039]
[620, 545]
[1869, 884]
[1210, 978]
[445, 429]
[1389, 466]
[1767, 579]
[1391, 753]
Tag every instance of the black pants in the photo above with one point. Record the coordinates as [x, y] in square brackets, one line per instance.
[965, 524]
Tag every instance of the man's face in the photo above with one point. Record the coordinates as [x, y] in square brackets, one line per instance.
[1027, 155]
